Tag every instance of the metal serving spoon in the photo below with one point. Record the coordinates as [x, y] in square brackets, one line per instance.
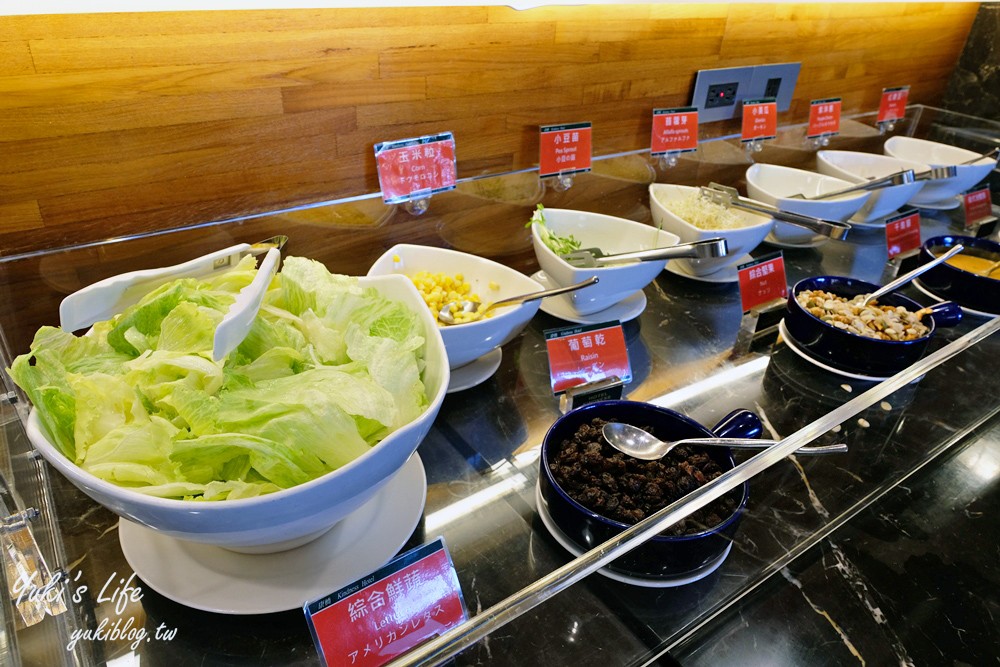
[907, 277]
[639, 444]
[446, 314]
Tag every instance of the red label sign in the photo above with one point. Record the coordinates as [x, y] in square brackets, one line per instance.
[414, 168]
[893, 103]
[902, 233]
[578, 355]
[564, 149]
[674, 131]
[381, 617]
[978, 205]
[760, 119]
[762, 281]
[824, 118]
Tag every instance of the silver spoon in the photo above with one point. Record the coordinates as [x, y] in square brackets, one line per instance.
[639, 444]
[907, 277]
[446, 315]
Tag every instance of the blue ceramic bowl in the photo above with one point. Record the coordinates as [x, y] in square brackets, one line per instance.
[663, 556]
[964, 287]
[852, 352]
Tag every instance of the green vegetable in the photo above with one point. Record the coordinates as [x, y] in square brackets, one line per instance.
[560, 245]
[328, 370]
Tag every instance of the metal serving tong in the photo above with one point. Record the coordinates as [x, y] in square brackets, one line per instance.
[951, 170]
[898, 178]
[589, 258]
[105, 298]
[729, 197]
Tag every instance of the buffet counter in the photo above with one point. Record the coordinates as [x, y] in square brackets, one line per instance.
[481, 456]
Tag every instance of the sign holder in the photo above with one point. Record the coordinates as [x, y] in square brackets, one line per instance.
[757, 323]
[977, 215]
[564, 150]
[891, 108]
[759, 123]
[675, 132]
[410, 171]
[763, 294]
[824, 122]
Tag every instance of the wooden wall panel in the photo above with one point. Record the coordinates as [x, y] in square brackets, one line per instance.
[113, 124]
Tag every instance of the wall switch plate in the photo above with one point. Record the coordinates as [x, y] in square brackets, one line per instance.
[719, 92]
[777, 81]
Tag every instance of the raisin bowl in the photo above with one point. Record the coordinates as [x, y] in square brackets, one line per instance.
[592, 492]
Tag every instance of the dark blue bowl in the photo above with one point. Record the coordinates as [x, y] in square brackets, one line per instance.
[664, 555]
[965, 288]
[852, 352]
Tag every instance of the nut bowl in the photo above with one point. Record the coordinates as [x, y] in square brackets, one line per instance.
[857, 167]
[853, 353]
[775, 185]
[740, 239]
[937, 192]
[962, 285]
[292, 516]
[611, 235]
[701, 548]
[468, 341]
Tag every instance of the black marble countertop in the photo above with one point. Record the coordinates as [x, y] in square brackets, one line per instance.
[884, 554]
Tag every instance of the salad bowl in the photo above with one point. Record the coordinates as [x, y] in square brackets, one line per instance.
[491, 280]
[744, 232]
[778, 186]
[288, 517]
[611, 235]
[937, 191]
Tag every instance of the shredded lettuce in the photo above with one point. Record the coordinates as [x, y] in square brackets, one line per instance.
[328, 370]
[560, 245]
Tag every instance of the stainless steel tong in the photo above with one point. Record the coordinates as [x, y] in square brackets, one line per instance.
[898, 178]
[729, 197]
[594, 257]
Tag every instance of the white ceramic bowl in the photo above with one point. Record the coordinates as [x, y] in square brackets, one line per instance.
[774, 184]
[939, 155]
[293, 516]
[740, 240]
[858, 167]
[612, 235]
[467, 342]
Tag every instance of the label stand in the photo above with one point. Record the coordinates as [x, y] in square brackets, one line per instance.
[608, 389]
[563, 181]
[901, 263]
[757, 323]
[418, 205]
[668, 160]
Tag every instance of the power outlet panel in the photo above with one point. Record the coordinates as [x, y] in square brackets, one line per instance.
[777, 81]
[718, 92]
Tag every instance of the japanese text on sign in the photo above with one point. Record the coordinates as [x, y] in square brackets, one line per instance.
[564, 149]
[584, 354]
[902, 234]
[762, 281]
[384, 615]
[413, 168]
[978, 205]
[760, 120]
[892, 106]
[824, 118]
[674, 131]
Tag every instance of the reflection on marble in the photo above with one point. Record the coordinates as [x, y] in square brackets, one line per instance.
[912, 580]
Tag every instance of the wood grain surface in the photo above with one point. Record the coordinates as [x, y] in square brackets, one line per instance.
[113, 124]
